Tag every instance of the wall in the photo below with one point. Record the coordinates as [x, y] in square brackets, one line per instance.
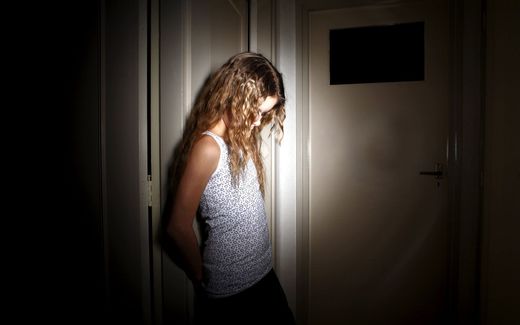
[500, 286]
[86, 163]
[125, 157]
[63, 190]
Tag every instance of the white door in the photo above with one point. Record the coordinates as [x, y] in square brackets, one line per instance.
[197, 37]
[378, 230]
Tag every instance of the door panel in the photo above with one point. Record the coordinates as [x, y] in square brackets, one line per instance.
[378, 231]
[196, 38]
[228, 30]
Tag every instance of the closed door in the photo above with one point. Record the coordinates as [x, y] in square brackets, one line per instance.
[197, 37]
[378, 229]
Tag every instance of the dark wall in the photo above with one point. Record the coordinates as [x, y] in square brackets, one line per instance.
[500, 267]
[62, 273]
[82, 225]
[78, 239]
[126, 225]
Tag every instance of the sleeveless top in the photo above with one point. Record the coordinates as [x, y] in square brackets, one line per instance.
[236, 248]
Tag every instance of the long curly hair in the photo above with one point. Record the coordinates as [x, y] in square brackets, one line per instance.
[237, 89]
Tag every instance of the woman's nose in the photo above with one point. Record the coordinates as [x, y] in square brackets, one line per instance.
[258, 119]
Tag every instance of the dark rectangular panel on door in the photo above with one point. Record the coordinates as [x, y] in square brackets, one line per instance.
[387, 53]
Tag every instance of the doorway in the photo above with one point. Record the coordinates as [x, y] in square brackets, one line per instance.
[378, 217]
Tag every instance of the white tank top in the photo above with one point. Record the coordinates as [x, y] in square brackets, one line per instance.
[236, 248]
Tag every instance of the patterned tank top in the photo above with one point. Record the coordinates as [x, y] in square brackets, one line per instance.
[236, 248]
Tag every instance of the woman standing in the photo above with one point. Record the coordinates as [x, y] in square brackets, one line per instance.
[221, 179]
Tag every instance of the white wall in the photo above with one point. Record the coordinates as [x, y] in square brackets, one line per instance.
[287, 162]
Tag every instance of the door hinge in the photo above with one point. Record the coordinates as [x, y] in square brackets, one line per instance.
[149, 181]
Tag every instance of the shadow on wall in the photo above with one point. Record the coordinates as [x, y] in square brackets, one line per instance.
[175, 169]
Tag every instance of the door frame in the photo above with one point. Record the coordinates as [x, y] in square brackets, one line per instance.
[464, 150]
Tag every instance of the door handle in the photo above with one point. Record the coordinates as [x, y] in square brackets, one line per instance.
[438, 173]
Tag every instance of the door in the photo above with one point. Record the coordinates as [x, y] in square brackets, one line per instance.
[378, 229]
[196, 37]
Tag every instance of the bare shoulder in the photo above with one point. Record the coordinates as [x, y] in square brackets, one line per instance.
[207, 147]
[205, 153]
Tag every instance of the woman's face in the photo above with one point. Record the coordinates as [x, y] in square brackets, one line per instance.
[266, 106]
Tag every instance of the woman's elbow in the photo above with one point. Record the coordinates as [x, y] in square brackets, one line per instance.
[172, 230]
[176, 230]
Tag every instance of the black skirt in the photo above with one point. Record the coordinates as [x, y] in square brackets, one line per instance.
[263, 303]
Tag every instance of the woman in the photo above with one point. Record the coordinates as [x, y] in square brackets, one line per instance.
[221, 178]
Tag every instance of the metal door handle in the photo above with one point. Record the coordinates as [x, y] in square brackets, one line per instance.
[431, 173]
[437, 172]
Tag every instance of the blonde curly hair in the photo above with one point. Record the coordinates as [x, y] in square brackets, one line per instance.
[237, 89]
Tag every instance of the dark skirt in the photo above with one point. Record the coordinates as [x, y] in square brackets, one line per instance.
[263, 303]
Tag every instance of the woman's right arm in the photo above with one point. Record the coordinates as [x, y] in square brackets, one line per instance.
[202, 162]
